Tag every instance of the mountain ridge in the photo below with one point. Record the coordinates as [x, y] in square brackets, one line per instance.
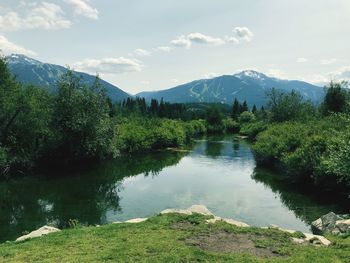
[31, 71]
[246, 85]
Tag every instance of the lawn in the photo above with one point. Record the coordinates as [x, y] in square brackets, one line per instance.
[172, 238]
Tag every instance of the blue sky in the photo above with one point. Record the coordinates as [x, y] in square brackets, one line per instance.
[155, 44]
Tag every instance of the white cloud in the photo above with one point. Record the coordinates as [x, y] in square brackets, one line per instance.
[83, 8]
[277, 73]
[302, 60]
[42, 15]
[8, 47]
[317, 79]
[211, 75]
[243, 32]
[163, 48]
[342, 74]
[204, 39]
[231, 40]
[109, 65]
[142, 53]
[181, 41]
[174, 80]
[328, 61]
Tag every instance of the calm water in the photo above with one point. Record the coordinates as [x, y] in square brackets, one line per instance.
[219, 172]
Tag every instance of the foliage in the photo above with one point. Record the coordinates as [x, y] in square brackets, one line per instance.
[81, 120]
[315, 151]
[288, 106]
[336, 99]
[137, 134]
[24, 121]
[252, 129]
[246, 117]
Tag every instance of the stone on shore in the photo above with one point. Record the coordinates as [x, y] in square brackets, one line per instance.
[332, 223]
[199, 209]
[45, 230]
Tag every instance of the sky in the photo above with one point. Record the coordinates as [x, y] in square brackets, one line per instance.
[143, 45]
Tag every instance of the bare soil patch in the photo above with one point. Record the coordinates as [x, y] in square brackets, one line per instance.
[223, 242]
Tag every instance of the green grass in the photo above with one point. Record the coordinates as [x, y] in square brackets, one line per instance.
[168, 238]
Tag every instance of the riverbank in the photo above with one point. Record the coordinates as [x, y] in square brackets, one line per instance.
[175, 237]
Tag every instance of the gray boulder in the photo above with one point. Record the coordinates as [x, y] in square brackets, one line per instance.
[332, 223]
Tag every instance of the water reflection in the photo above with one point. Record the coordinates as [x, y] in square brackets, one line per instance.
[219, 172]
[306, 203]
[85, 195]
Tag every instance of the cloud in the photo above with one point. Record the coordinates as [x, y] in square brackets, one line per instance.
[302, 60]
[342, 74]
[163, 48]
[181, 41]
[277, 73]
[40, 15]
[186, 41]
[211, 75]
[82, 8]
[231, 40]
[109, 65]
[243, 32]
[142, 53]
[8, 47]
[328, 61]
[204, 39]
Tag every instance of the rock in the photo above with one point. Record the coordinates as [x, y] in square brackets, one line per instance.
[298, 240]
[199, 209]
[234, 222]
[322, 240]
[343, 225]
[313, 239]
[227, 220]
[39, 232]
[136, 220]
[332, 223]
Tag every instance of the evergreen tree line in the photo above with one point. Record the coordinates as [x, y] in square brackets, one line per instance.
[157, 109]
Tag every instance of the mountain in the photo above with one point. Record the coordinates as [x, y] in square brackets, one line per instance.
[247, 85]
[31, 71]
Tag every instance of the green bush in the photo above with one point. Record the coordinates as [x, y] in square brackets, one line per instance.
[231, 125]
[316, 151]
[138, 134]
[253, 129]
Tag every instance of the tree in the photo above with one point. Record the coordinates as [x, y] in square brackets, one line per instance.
[25, 113]
[244, 107]
[336, 98]
[81, 119]
[254, 109]
[288, 106]
[236, 109]
[214, 116]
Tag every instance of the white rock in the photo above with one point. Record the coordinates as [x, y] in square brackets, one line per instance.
[298, 240]
[200, 209]
[39, 232]
[324, 241]
[136, 220]
[176, 211]
[234, 222]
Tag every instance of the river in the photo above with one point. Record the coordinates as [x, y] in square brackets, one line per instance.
[219, 172]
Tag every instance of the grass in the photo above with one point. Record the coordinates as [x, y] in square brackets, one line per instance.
[172, 238]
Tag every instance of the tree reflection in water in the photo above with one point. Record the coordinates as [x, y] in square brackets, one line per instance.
[306, 203]
[85, 194]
